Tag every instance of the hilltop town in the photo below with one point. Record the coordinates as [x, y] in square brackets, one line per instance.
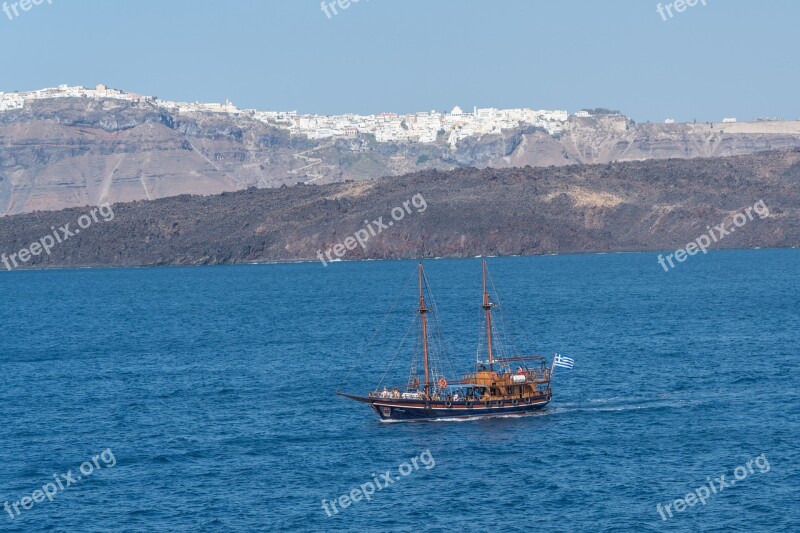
[424, 127]
[73, 146]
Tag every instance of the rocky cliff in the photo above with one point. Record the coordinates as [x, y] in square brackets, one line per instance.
[648, 205]
[72, 152]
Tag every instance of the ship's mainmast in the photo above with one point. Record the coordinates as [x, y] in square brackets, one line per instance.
[422, 311]
[487, 306]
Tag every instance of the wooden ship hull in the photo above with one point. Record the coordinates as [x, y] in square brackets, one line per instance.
[406, 410]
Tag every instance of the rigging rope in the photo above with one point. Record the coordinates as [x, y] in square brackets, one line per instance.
[377, 330]
[503, 318]
[397, 352]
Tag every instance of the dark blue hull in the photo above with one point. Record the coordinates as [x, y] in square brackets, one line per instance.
[404, 413]
[396, 409]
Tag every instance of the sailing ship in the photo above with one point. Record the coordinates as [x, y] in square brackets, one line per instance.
[502, 384]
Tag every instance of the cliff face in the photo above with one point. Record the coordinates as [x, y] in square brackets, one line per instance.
[615, 138]
[656, 204]
[64, 153]
[74, 152]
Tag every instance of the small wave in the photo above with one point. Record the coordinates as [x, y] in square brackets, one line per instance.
[653, 404]
[606, 400]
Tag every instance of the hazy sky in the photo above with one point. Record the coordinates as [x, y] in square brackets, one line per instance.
[729, 58]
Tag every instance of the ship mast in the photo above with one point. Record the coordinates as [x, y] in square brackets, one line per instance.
[487, 306]
[422, 311]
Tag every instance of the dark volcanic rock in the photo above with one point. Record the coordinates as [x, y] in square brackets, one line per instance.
[656, 204]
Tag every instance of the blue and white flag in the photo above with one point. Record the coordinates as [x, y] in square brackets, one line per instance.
[563, 362]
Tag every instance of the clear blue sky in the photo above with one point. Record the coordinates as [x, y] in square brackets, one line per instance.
[735, 58]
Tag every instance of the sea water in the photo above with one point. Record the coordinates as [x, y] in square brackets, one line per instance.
[214, 390]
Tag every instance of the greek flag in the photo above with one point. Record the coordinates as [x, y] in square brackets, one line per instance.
[563, 362]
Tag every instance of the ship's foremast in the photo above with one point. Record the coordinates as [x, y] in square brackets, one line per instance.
[422, 312]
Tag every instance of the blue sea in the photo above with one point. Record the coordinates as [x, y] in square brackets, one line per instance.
[213, 390]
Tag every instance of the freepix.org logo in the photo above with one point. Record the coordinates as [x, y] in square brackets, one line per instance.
[60, 483]
[714, 235]
[15, 9]
[329, 7]
[373, 229]
[703, 493]
[679, 6]
[366, 490]
[59, 235]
